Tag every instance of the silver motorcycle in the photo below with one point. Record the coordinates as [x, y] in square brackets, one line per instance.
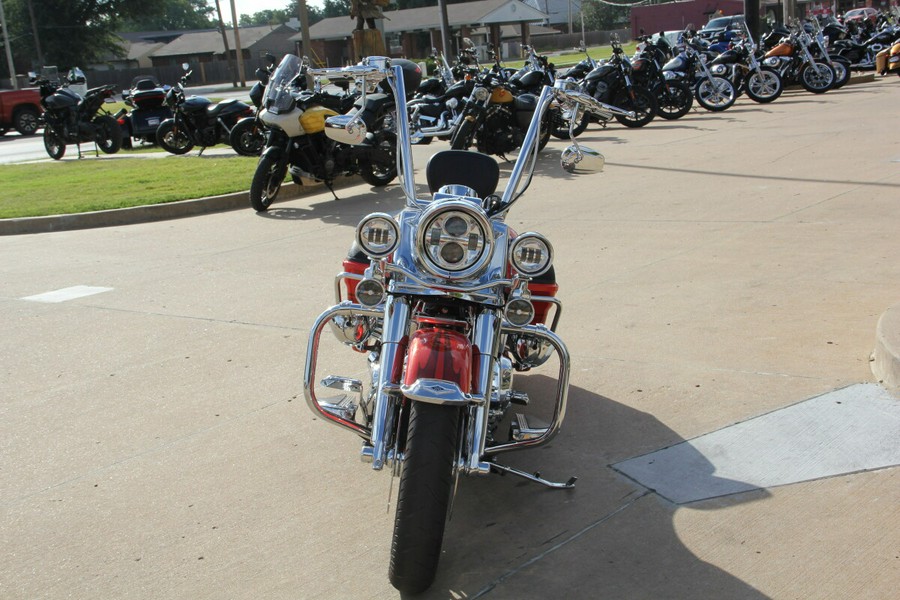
[443, 303]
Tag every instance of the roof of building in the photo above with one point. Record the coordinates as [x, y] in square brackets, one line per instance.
[481, 12]
[210, 41]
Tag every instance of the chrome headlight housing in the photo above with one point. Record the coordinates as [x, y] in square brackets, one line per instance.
[454, 239]
[531, 254]
[378, 235]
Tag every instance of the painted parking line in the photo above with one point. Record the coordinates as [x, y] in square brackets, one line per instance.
[853, 429]
[69, 293]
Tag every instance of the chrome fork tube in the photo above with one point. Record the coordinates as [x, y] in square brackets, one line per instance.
[486, 339]
[396, 322]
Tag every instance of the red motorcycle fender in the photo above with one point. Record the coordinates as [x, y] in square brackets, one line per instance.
[444, 354]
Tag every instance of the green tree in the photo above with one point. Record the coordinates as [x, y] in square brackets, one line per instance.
[266, 17]
[600, 16]
[70, 32]
[173, 15]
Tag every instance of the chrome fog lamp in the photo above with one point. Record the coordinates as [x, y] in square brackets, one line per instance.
[378, 235]
[531, 254]
[519, 311]
[370, 292]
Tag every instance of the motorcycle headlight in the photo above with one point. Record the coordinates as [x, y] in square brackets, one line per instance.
[378, 235]
[454, 239]
[531, 254]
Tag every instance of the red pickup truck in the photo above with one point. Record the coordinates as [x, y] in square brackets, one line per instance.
[20, 110]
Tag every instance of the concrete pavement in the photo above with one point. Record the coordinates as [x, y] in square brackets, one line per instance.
[725, 266]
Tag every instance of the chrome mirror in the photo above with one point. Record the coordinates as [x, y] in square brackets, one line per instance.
[581, 160]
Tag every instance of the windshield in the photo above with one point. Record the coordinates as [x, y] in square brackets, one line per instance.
[278, 92]
[723, 22]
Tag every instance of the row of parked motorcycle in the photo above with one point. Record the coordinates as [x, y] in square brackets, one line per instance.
[466, 104]
[490, 108]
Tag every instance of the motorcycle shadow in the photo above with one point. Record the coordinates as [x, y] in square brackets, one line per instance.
[609, 537]
[352, 205]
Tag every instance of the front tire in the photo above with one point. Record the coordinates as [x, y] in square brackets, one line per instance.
[462, 137]
[765, 86]
[817, 77]
[426, 484]
[841, 73]
[560, 126]
[247, 137]
[643, 105]
[54, 144]
[172, 139]
[266, 182]
[109, 134]
[715, 94]
[674, 99]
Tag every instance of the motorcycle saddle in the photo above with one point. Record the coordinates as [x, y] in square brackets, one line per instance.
[214, 110]
[472, 169]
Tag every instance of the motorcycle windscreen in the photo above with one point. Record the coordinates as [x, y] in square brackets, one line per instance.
[437, 353]
[278, 98]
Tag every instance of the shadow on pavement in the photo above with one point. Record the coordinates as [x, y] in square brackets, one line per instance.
[607, 538]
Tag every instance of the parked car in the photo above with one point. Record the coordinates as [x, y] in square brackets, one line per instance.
[20, 110]
[861, 14]
[720, 24]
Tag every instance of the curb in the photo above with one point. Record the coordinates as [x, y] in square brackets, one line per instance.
[886, 357]
[153, 212]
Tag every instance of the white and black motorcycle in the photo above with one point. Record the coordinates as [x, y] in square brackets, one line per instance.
[444, 302]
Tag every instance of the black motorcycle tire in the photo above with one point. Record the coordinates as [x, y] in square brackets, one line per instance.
[172, 141]
[764, 87]
[643, 105]
[676, 102]
[426, 485]
[247, 137]
[54, 144]
[560, 130]
[266, 183]
[718, 83]
[841, 73]
[462, 137]
[26, 120]
[109, 138]
[381, 174]
[817, 80]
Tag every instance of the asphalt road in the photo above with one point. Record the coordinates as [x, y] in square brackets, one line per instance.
[155, 442]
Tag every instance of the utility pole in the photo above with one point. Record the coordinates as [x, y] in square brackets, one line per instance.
[9, 58]
[304, 38]
[445, 29]
[34, 29]
[225, 41]
[239, 54]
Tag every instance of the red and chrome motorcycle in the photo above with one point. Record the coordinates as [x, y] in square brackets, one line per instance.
[446, 302]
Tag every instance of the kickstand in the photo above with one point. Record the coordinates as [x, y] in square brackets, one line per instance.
[202, 148]
[536, 477]
[331, 189]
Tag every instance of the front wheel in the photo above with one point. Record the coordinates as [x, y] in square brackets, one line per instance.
[764, 86]
[266, 182]
[109, 134]
[463, 136]
[673, 99]
[426, 484]
[640, 101]
[817, 77]
[173, 139]
[841, 72]
[247, 137]
[54, 144]
[715, 94]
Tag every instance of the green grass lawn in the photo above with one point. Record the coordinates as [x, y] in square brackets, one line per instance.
[74, 186]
